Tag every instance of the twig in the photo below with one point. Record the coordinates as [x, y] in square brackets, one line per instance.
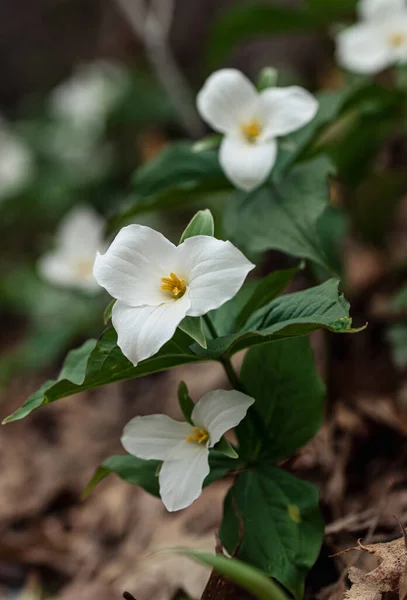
[153, 27]
[164, 11]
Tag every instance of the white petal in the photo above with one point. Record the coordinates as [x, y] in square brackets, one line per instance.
[284, 110]
[215, 272]
[247, 165]
[59, 269]
[182, 475]
[80, 233]
[226, 100]
[219, 411]
[397, 26]
[132, 268]
[142, 331]
[377, 9]
[16, 163]
[154, 436]
[364, 48]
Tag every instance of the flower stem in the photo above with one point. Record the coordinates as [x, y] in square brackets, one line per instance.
[226, 362]
[231, 374]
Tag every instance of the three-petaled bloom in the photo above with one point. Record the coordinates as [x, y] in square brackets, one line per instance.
[79, 237]
[251, 121]
[183, 447]
[157, 284]
[378, 41]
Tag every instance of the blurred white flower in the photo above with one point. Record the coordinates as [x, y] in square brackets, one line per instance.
[156, 284]
[83, 158]
[183, 447]
[86, 98]
[78, 238]
[251, 121]
[378, 41]
[16, 163]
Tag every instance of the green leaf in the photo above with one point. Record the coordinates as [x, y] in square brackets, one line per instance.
[291, 408]
[251, 579]
[97, 363]
[224, 317]
[288, 316]
[202, 223]
[192, 326]
[332, 228]
[145, 472]
[210, 142]
[226, 448]
[176, 177]
[342, 115]
[107, 315]
[185, 401]
[131, 469]
[267, 78]
[288, 547]
[267, 289]
[283, 215]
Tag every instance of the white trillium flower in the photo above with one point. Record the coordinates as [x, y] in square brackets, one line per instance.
[251, 121]
[378, 41]
[85, 99]
[157, 284]
[79, 237]
[16, 163]
[183, 447]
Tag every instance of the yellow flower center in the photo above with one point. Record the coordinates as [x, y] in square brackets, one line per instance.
[251, 130]
[397, 39]
[84, 268]
[174, 284]
[199, 435]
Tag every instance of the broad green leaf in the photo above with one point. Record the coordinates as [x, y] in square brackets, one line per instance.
[362, 110]
[266, 290]
[185, 401]
[131, 469]
[202, 223]
[251, 579]
[98, 363]
[145, 472]
[288, 546]
[283, 215]
[192, 326]
[331, 104]
[224, 317]
[291, 408]
[176, 177]
[332, 228]
[288, 316]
